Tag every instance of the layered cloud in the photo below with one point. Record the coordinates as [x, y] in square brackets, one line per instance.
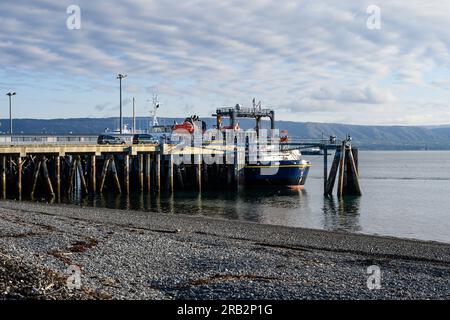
[312, 60]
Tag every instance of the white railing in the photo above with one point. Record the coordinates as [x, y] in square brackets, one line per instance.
[43, 140]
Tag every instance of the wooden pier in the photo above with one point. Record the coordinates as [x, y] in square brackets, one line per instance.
[54, 170]
[51, 170]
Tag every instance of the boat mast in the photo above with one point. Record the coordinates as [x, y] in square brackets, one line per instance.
[153, 112]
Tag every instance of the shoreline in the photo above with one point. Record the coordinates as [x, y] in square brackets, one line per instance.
[141, 255]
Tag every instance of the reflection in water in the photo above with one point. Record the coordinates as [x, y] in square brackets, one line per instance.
[280, 207]
[341, 213]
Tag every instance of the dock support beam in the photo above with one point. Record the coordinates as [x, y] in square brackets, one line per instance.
[19, 176]
[179, 176]
[158, 172]
[47, 176]
[4, 177]
[93, 174]
[116, 176]
[104, 172]
[148, 171]
[37, 168]
[198, 171]
[348, 181]
[352, 173]
[236, 167]
[342, 171]
[58, 176]
[82, 177]
[170, 173]
[73, 170]
[126, 173]
[325, 169]
[141, 172]
[333, 173]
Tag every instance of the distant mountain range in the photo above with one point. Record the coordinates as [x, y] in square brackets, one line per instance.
[365, 136]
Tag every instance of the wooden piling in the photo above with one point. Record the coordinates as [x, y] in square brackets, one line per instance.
[58, 176]
[325, 169]
[353, 187]
[47, 176]
[93, 174]
[355, 154]
[73, 170]
[205, 174]
[141, 172]
[37, 168]
[179, 176]
[198, 171]
[170, 173]
[148, 171]
[4, 177]
[237, 167]
[19, 176]
[342, 177]
[158, 172]
[104, 172]
[81, 173]
[230, 173]
[126, 173]
[333, 172]
[116, 176]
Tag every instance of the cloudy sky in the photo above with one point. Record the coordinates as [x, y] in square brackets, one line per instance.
[310, 60]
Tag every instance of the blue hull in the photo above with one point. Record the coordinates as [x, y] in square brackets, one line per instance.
[288, 173]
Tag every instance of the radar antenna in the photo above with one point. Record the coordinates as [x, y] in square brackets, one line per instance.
[156, 105]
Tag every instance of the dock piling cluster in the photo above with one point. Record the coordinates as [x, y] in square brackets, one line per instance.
[345, 168]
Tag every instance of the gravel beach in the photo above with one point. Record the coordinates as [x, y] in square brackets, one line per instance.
[138, 255]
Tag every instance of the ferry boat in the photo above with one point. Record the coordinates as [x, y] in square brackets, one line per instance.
[280, 167]
[276, 165]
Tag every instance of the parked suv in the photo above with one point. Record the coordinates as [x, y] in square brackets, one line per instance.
[144, 139]
[106, 139]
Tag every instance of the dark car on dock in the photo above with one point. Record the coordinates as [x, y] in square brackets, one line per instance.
[107, 139]
[144, 139]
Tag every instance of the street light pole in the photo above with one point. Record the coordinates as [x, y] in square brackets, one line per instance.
[10, 94]
[120, 77]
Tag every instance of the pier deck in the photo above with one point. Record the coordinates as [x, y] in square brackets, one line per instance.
[53, 165]
[70, 149]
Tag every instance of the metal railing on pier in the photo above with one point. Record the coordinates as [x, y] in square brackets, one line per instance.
[53, 139]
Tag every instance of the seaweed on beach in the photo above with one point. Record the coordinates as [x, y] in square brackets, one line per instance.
[19, 281]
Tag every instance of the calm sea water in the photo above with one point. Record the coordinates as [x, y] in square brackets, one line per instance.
[405, 194]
